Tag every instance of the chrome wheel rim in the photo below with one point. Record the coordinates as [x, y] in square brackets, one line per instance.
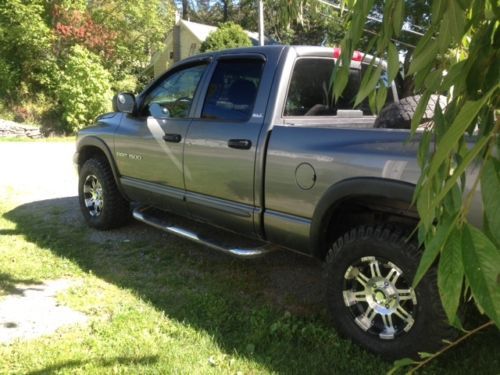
[379, 298]
[92, 195]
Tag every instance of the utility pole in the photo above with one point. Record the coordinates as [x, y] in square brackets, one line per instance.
[261, 22]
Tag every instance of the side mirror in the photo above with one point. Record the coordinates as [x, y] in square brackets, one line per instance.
[124, 102]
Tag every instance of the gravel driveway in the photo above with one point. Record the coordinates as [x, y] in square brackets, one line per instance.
[33, 171]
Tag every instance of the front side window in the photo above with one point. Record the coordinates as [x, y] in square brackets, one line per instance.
[310, 91]
[232, 91]
[173, 97]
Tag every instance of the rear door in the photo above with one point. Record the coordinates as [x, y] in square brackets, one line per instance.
[220, 148]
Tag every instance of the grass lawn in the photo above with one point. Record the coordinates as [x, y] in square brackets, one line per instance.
[162, 305]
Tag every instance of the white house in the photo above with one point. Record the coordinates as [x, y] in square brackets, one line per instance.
[182, 41]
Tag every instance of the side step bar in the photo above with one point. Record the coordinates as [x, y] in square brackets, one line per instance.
[157, 221]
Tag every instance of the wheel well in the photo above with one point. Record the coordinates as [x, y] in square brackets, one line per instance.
[364, 210]
[89, 152]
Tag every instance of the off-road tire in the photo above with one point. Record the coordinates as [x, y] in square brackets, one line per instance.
[399, 115]
[114, 211]
[384, 244]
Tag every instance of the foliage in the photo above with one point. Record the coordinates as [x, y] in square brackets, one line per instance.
[38, 40]
[8, 77]
[458, 56]
[469, 258]
[77, 27]
[314, 24]
[228, 35]
[84, 89]
[25, 45]
[141, 27]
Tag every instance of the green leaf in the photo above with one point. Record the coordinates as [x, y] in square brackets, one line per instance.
[341, 79]
[425, 57]
[444, 34]
[419, 111]
[424, 203]
[469, 157]
[462, 121]
[393, 62]
[387, 25]
[368, 83]
[450, 275]
[481, 259]
[433, 249]
[438, 7]
[424, 148]
[490, 189]
[455, 72]
[456, 17]
[433, 80]
[398, 17]
[400, 363]
[381, 98]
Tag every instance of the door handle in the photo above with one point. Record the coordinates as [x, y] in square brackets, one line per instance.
[174, 138]
[242, 144]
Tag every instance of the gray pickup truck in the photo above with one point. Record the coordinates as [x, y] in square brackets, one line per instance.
[250, 142]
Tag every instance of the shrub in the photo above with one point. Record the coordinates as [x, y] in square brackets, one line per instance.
[228, 35]
[8, 78]
[84, 89]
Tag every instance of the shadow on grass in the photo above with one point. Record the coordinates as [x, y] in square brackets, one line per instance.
[269, 310]
[148, 360]
[8, 284]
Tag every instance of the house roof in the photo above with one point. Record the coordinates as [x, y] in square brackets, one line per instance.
[201, 31]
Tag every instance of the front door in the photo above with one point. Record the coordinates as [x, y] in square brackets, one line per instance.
[149, 145]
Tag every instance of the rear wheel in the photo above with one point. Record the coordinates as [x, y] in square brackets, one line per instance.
[369, 273]
[101, 203]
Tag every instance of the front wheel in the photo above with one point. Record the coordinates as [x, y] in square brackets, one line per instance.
[369, 274]
[101, 203]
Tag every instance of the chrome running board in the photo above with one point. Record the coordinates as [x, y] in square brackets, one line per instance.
[160, 221]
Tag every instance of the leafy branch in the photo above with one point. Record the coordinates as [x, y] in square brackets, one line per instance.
[429, 357]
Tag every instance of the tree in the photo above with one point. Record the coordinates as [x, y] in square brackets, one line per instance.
[228, 35]
[84, 88]
[458, 56]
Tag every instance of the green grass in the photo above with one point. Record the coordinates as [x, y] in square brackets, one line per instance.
[158, 304]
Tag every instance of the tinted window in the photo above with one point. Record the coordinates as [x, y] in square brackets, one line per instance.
[310, 90]
[174, 95]
[232, 90]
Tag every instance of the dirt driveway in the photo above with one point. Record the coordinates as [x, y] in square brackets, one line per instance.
[43, 172]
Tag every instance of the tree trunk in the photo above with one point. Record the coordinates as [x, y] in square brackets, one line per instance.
[225, 6]
[185, 10]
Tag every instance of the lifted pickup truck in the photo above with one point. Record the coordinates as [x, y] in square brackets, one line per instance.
[250, 142]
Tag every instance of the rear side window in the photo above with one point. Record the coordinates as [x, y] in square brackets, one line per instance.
[310, 93]
[232, 91]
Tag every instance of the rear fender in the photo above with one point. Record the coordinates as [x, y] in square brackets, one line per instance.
[378, 188]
